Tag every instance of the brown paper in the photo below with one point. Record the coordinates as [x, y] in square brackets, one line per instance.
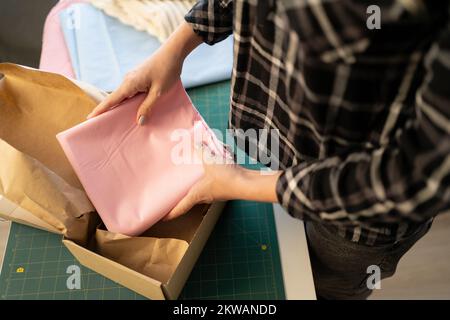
[153, 257]
[34, 107]
[35, 174]
[30, 185]
[183, 227]
[158, 251]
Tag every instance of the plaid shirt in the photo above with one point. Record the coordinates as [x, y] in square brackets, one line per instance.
[363, 114]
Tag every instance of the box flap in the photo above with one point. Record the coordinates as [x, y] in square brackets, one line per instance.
[11, 211]
[173, 287]
[131, 279]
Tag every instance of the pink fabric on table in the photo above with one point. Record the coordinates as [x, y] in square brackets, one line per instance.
[55, 55]
[128, 171]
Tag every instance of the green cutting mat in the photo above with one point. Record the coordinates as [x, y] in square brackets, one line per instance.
[240, 260]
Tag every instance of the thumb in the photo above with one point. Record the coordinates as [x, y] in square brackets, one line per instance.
[110, 101]
[182, 207]
[147, 104]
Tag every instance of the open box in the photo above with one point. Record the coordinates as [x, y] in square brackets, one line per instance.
[39, 188]
[142, 284]
[200, 221]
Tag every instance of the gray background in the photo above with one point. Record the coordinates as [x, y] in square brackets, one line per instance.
[21, 25]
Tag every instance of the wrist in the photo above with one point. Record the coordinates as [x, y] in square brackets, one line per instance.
[255, 185]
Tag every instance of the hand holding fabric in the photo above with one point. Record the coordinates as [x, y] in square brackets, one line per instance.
[223, 180]
[156, 75]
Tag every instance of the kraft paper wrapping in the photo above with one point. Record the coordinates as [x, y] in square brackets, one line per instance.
[35, 174]
[30, 185]
[35, 107]
[154, 257]
[153, 253]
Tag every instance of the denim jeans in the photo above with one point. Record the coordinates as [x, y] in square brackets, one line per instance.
[340, 266]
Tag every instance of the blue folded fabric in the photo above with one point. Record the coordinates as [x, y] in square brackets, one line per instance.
[102, 50]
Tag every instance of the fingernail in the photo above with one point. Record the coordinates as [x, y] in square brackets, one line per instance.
[141, 120]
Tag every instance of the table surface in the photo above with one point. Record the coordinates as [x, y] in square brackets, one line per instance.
[241, 259]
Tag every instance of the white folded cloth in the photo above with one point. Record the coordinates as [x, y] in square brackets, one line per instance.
[157, 17]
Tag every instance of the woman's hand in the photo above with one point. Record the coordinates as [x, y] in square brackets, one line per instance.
[225, 180]
[156, 75]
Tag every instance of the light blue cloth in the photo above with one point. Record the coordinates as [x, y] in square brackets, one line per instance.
[102, 50]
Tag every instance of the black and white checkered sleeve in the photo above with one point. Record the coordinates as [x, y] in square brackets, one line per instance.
[407, 179]
[211, 19]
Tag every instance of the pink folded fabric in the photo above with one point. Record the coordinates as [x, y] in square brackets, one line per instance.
[54, 54]
[134, 175]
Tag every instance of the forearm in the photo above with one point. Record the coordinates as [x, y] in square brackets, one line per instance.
[253, 185]
[181, 42]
